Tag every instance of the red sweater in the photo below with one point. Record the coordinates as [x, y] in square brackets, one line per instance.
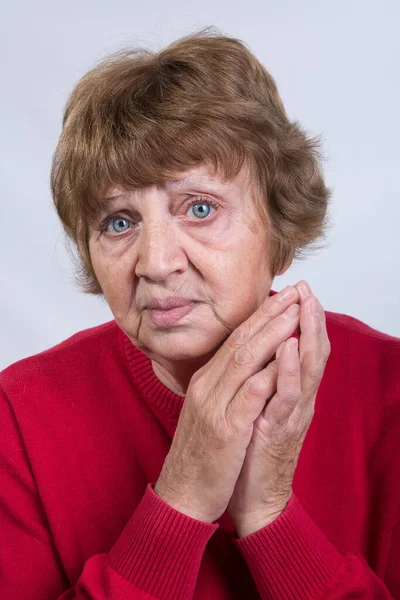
[84, 430]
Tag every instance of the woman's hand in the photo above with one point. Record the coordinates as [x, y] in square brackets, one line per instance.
[224, 399]
[264, 486]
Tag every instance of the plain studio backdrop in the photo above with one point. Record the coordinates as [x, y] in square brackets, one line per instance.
[337, 68]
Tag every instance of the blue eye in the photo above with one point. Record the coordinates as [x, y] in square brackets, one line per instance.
[201, 209]
[119, 224]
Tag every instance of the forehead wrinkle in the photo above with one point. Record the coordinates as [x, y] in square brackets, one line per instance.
[192, 179]
[187, 180]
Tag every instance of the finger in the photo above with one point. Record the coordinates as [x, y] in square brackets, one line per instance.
[272, 307]
[255, 392]
[250, 359]
[288, 393]
[269, 309]
[312, 347]
[304, 293]
[326, 342]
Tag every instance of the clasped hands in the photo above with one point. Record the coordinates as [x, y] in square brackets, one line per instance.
[264, 486]
[243, 424]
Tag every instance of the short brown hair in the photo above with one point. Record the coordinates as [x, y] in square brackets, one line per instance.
[140, 116]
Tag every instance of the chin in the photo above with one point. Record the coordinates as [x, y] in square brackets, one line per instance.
[181, 345]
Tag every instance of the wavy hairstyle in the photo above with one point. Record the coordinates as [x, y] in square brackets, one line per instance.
[138, 117]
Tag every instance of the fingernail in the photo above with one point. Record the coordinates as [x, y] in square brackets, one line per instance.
[286, 294]
[304, 289]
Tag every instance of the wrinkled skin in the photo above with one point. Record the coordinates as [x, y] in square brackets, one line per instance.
[220, 260]
[242, 424]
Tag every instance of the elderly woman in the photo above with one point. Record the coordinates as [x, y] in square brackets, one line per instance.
[217, 439]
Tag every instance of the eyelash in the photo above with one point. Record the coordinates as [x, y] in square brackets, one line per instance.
[104, 224]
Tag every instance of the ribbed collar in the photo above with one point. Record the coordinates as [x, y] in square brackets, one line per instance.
[149, 386]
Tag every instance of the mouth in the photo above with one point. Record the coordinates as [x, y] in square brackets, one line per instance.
[171, 316]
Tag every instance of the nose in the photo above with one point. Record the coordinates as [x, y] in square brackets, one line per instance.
[159, 252]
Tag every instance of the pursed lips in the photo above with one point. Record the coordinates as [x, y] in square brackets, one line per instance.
[168, 303]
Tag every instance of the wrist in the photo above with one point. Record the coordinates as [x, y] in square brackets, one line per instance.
[248, 524]
[183, 506]
[247, 527]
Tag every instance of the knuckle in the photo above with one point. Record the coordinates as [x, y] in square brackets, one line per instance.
[239, 336]
[280, 327]
[243, 357]
[270, 309]
[327, 350]
[293, 397]
[292, 370]
[254, 386]
[315, 372]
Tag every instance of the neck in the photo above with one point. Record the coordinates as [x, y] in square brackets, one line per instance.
[176, 375]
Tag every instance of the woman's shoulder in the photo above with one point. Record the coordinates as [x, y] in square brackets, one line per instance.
[340, 324]
[79, 352]
[343, 327]
[364, 357]
[365, 345]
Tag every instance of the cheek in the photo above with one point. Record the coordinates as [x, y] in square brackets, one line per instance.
[247, 261]
[115, 277]
[245, 279]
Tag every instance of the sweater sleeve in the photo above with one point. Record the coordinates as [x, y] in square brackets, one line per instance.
[157, 555]
[291, 558]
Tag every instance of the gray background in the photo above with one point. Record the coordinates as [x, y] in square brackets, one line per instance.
[337, 68]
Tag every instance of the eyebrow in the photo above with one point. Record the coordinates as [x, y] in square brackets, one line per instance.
[173, 183]
[187, 180]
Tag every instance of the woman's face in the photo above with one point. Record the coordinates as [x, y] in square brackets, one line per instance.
[198, 239]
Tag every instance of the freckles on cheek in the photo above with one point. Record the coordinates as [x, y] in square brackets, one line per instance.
[246, 271]
[116, 276]
[112, 262]
[109, 280]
